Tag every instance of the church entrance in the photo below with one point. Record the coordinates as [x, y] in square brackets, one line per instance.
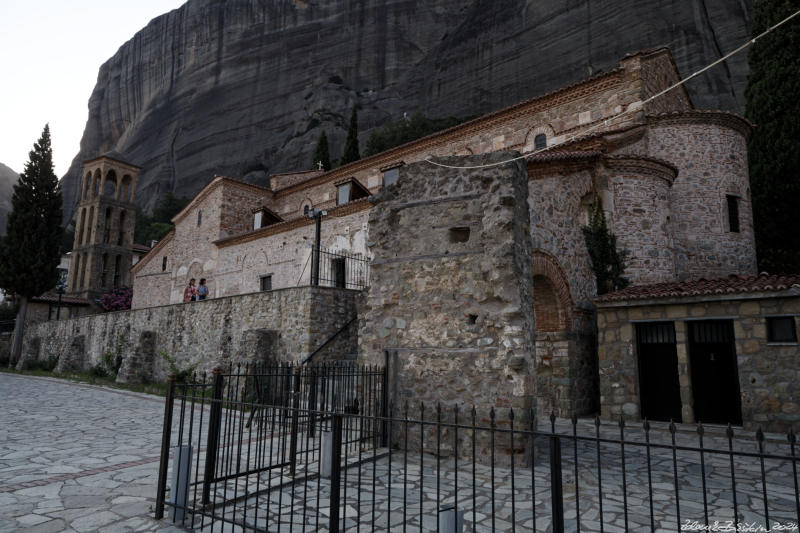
[659, 389]
[715, 376]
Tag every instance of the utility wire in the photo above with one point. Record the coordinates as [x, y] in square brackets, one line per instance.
[632, 108]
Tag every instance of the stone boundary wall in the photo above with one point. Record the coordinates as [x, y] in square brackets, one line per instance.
[280, 325]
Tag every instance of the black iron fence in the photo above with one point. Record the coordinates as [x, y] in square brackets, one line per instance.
[7, 326]
[339, 269]
[320, 449]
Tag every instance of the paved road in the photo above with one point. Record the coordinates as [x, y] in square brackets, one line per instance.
[77, 458]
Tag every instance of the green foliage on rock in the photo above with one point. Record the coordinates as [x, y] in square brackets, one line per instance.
[401, 131]
[29, 252]
[351, 152]
[773, 105]
[608, 263]
[153, 227]
[321, 154]
[182, 375]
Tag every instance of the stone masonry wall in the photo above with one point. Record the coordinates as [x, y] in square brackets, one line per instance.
[768, 372]
[709, 151]
[284, 324]
[286, 256]
[451, 285]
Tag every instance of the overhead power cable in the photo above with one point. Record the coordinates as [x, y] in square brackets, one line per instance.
[632, 108]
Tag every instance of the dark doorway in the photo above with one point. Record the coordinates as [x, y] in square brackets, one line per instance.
[659, 389]
[715, 376]
[339, 272]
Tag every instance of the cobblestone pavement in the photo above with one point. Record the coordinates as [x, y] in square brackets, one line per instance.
[77, 458]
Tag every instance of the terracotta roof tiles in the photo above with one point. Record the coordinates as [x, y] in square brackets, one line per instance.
[733, 284]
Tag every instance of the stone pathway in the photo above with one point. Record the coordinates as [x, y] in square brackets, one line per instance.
[77, 457]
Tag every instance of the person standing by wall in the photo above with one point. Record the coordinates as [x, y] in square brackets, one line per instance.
[202, 290]
[189, 292]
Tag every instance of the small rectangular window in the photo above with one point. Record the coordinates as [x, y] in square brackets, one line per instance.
[266, 283]
[781, 329]
[733, 213]
[343, 193]
[164, 264]
[199, 218]
[390, 176]
[257, 219]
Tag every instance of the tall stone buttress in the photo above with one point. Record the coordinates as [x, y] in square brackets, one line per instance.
[106, 214]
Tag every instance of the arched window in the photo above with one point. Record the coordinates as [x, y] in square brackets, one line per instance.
[305, 210]
[117, 271]
[540, 141]
[104, 271]
[110, 186]
[121, 229]
[107, 227]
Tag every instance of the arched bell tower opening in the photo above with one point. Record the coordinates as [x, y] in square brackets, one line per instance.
[101, 251]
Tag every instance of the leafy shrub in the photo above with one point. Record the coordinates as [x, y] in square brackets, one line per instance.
[47, 365]
[182, 375]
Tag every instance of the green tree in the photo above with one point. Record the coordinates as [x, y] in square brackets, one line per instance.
[351, 143]
[773, 105]
[405, 130]
[29, 253]
[153, 227]
[321, 154]
[608, 263]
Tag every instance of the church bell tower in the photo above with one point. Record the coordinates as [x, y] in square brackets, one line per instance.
[101, 253]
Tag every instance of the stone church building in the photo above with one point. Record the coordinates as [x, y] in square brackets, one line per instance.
[480, 283]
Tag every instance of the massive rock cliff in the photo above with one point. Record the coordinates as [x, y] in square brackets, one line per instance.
[228, 87]
[7, 180]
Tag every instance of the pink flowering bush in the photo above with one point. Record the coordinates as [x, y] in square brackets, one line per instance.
[117, 300]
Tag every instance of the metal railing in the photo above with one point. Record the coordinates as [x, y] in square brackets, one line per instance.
[7, 326]
[320, 449]
[337, 269]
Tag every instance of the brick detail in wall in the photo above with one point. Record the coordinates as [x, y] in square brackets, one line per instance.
[551, 296]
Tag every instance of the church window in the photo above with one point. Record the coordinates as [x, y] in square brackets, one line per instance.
[781, 329]
[540, 141]
[343, 193]
[733, 213]
[350, 190]
[263, 217]
[390, 176]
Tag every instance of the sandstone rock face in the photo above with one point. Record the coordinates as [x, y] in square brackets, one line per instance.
[7, 180]
[232, 87]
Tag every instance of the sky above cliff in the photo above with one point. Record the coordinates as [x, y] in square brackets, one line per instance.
[50, 53]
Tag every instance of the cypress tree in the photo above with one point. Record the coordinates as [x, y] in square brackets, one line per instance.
[608, 263]
[321, 154]
[772, 104]
[29, 253]
[351, 144]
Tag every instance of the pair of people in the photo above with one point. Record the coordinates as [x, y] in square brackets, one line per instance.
[194, 294]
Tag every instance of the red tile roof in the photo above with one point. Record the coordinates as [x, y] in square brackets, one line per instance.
[701, 287]
[562, 155]
[140, 248]
[50, 298]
